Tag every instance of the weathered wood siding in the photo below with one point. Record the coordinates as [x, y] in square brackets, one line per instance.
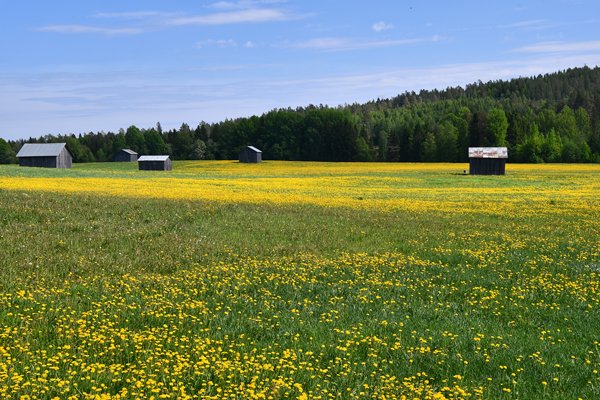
[248, 155]
[123, 156]
[44, 162]
[64, 159]
[166, 165]
[487, 166]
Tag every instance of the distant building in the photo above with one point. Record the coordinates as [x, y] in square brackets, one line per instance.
[126, 155]
[47, 155]
[155, 163]
[250, 154]
[487, 160]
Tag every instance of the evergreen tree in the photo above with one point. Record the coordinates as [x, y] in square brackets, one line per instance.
[429, 148]
[497, 125]
[7, 154]
[154, 142]
[134, 139]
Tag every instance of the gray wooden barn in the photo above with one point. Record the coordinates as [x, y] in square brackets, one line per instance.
[126, 155]
[250, 154]
[487, 160]
[155, 163]
[47, 155]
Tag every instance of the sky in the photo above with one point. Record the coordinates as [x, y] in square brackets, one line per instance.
[89, 66]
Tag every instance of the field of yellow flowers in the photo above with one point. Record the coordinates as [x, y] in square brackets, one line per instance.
[289, 280]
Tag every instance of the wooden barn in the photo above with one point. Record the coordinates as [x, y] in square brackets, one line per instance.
[126, 155]
[47, 155]
[250, 154]
[487, 160]
[155, 163]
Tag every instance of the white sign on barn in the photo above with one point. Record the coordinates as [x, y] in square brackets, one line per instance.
[488, 152]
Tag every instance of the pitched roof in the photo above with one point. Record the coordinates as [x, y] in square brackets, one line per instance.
[129, 151]
[488, 152]
[153, 158]
[254, 149]
[41, 149]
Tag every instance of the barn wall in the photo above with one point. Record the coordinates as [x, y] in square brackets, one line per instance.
[123, 156]
[249, 156]
[64, 159]
[487, 166]
[244, 156]
[44, 162]
[155, 165]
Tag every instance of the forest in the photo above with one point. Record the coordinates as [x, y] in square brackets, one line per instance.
[546, 118]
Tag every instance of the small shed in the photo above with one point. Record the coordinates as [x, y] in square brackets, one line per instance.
[155, 163]
[250, 154]
[47, 155]
[487, 160]
[126, 155]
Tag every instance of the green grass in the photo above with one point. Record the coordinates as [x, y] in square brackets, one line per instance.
[99, 293]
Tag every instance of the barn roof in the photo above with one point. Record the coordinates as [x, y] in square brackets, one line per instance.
[488, 152]
[153, 158]
[128, 151]
[41, 149]
[254, 149]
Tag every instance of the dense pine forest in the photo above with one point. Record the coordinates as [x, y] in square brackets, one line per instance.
[546, 118]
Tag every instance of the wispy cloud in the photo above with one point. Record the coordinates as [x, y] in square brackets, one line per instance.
[233, 17]
[542, 24]
[232, 5]
[223, 43]
[135, 15]
[381, 26]
[238, 13]
[529, 24]
[345, 44]
[561, 47]
[79, 29]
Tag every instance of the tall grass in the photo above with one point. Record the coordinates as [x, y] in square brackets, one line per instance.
[106, 294]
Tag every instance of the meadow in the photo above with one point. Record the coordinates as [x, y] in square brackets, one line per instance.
[290, 280]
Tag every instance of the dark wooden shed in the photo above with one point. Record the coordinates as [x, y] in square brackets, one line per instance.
[250, 154]
[155, 163]
[47, 155]
[126, 155]
[487, 160]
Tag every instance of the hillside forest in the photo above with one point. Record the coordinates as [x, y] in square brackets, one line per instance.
[546, 118]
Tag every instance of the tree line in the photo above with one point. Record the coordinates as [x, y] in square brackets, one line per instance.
[546, 118]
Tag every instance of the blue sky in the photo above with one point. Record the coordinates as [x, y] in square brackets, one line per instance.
[81, 66]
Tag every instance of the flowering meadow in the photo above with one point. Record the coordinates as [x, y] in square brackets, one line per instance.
[289, 280]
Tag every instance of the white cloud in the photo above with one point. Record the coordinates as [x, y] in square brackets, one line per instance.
[533, 23]
[218, 42]
[541, 24]
[231, 5]
[561, 47]
[224, 5]
[249, 45]
[381, 26]
[345, 44]
[233, 17]
[149, 20]
[134, 14]
[76, 29]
